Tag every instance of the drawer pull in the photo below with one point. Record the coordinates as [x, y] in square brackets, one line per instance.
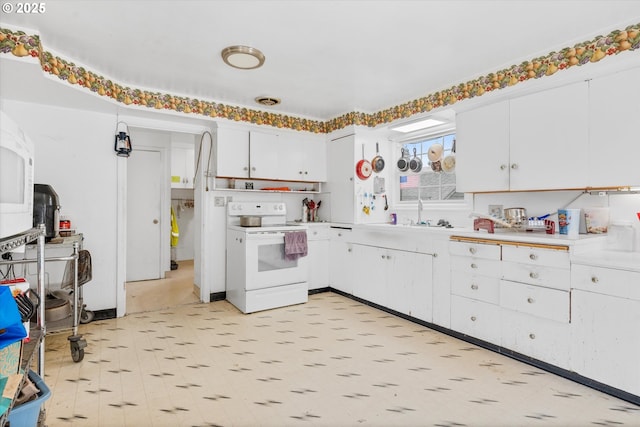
[594, 279]
[383, 256]
[530, 300]
[473, 318]
[474, 266]
[532, 336]
[349, 250]
[533, 275]
[533, 257]
[473, 250]
[474, 287]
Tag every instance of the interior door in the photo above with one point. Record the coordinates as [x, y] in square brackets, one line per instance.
[144, 194]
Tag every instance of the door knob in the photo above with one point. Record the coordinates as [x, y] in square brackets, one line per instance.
[155, 221]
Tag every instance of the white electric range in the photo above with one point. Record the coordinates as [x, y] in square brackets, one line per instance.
[259, 275]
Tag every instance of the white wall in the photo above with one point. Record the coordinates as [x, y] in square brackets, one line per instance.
[74, 154]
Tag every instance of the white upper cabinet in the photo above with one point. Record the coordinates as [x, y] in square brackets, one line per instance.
[535, 142]
[182, 165]
[549, 134]
[263, 155]
[482, 149]
[302, 158]
[614, 130]
[232, 153]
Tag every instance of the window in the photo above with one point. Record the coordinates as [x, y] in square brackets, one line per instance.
[431, 183]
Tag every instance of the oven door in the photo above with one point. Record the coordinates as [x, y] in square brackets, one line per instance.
[266, 265]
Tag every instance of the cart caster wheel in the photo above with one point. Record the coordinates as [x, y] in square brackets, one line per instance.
[86, 316]
[77, 344]
[77, 354]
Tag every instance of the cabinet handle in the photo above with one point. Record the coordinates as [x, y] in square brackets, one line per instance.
[474, 287]
[514, 166]
[349, 250]
[594, 279]
[300, 172]
[532, 336]
[245, 168]
[339, 234]
[533, 257]
[473, 250]
[435, 255]
[383, 256]
[315, 232]
[473, 318]
[474, 266]
[503, 167]
[533, 275]
[305, 172]
[530, 300]
[253, 168]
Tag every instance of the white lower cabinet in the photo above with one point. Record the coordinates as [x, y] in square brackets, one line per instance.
[537, 337]
[318, 249]
[342, 273]
[605, 320]
[475, 318]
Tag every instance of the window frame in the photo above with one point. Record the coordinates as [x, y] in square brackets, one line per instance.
[439, 204]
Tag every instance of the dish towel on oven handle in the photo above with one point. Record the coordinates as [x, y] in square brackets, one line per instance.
[295, 244]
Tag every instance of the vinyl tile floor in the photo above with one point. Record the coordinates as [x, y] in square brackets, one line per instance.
[330, 362]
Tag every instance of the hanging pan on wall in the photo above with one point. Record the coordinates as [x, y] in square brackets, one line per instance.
[378, 162]
[403, 161]
[363, 167]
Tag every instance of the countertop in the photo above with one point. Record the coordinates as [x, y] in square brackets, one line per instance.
[610, 259]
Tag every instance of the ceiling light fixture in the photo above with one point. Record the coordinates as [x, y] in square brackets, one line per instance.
[243, 57]
[267, 101]
[422, 124]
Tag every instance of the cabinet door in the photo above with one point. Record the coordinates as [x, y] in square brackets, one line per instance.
[341, 169]
[232, 153]
[182, 166]
[265, 158]
[548, 139]
[475, 318]
[482, 149]
[420, 292]
[606, 342]
[304, 158]
[318, 264]
[613, 129]
[371, 266]
[342, 272]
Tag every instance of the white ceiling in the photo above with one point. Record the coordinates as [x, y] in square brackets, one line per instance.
[324, 58]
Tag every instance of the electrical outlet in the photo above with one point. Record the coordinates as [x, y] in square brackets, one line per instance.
[219, 201]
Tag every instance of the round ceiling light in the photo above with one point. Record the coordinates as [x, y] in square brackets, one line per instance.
[267, 101]
[243, 57]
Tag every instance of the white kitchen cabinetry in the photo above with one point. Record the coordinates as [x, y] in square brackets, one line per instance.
[482, 149]
[340, 179]
[395, 279]
[262, 155]
[535, 302]
[341, 257]
[318, 253]
[232, 153]
[548, 132]
[605, 319]
[182, 165]
[475, 276]
[613, 130]
[302, 159]
[509, 145]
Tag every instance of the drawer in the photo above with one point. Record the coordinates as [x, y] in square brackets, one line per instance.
[341, 234]
[318, 233]
[476, 250]
[476, 266]
[483, 288]
[542, 339]
[536, 256]
[539, 275]
[607, 281]
[547, 303]
[475, 318]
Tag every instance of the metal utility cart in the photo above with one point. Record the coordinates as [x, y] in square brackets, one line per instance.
[71, 279]
[37, 332]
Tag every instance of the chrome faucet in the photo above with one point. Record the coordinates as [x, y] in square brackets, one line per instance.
[420, 208]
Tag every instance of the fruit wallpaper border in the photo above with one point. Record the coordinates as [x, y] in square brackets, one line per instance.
[20, 44]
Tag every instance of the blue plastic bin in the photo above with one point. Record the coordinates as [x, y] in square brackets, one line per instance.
[26, 415]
